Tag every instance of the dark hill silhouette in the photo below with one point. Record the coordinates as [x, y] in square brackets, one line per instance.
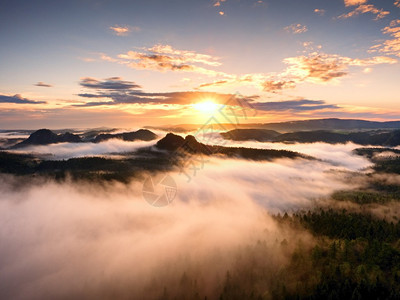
[90, 135]
[173, 142]
[141, 134]
[176, 143]
[170, 142]
[46, 137]
[69, 138]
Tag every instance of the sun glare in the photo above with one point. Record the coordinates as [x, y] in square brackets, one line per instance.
[206, 107]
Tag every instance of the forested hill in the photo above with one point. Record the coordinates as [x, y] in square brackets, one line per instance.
[370, 137]
[46, 137]
[189, 144]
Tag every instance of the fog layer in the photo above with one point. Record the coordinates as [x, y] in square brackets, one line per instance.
[105, 241]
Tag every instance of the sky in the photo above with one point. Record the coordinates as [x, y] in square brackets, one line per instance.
[80, 64]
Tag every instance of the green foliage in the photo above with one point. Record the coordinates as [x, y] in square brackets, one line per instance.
[372, 152]
[369, 137]
[256, 154]
[365, 196]
[345, 225]
[356, 256]
[84, 168]
[17, 163]
[388, 166]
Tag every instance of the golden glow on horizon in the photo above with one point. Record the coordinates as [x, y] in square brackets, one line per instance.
[206, 107]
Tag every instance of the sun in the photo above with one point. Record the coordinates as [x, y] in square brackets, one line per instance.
[206, 107]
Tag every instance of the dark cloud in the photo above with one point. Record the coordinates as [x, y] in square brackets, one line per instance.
[18, 99]
[42, 84]
[112, 83]
[96, 103]
[184, 98]
[294, 105]
[118, 98]
[130, 97]
[125, 92]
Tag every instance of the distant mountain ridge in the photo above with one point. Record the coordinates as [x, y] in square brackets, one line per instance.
[301, 125]
[46, 137]
[331, 124]
[371, 137]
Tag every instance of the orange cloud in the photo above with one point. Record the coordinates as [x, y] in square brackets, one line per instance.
[390, 46]
[124, 30]
[120, 30]
[316, 67]
[319, 11]
[215, 83]
[354, 2]
[273, 85]
[365, 8]
[296, 28]
[166, 58]
[322, 67]
[218, 3]
[190, 56]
